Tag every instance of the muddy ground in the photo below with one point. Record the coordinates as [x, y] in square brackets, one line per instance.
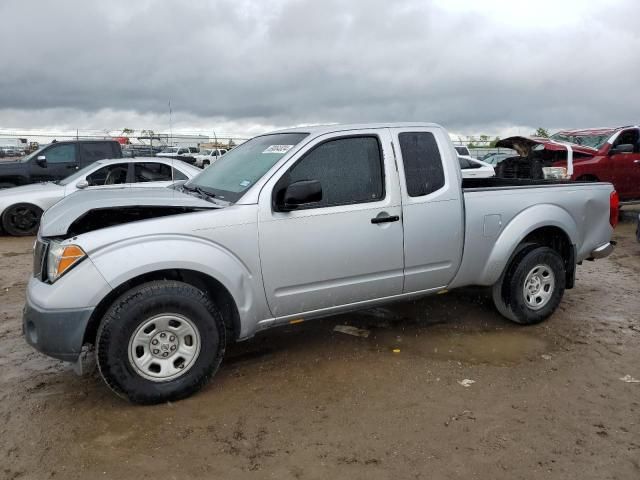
[305, 402]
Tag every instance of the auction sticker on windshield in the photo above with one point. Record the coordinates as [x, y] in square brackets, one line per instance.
[281, 149]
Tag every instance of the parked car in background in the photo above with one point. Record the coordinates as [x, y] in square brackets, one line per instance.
[208, 156]
[495, 158]
[9, 151]
[473, 168]
[186, 154]
[603, 154]
[462, 150]
[22, 207]
[56, 161]
[288, 227]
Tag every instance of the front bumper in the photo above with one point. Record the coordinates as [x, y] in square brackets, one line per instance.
[602, 251]
[57, 333]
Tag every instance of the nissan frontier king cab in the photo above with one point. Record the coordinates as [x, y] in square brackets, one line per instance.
[288, 227]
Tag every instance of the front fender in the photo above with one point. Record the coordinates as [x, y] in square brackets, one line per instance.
[525, 222]
[127, 259]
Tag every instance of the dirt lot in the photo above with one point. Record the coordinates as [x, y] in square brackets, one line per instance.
[306, 402]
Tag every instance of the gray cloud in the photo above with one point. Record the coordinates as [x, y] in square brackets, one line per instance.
[308, 61]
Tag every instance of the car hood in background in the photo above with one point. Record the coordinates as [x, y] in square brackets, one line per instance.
[25, 190]
[523, 145]
[57, 220]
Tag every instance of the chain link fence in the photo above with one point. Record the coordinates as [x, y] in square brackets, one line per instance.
[15, 143]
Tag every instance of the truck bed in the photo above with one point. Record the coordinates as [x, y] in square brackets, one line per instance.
[497, 210]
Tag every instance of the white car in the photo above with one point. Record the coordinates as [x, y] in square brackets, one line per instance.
[472, 168]
[21, 207]
[208, 156]
[186, 154]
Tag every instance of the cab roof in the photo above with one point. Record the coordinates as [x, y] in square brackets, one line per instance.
[331, 128]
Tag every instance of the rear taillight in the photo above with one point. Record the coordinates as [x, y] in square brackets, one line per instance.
[614, 208]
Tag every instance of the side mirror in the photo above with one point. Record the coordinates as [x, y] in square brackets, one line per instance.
[42, 161]
[82, 184]
[623, 148]
[303, 192]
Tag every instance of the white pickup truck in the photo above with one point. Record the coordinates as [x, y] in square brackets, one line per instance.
[288, 227]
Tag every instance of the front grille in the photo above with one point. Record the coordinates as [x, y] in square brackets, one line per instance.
[39, 259]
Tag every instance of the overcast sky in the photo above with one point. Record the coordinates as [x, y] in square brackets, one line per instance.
[242, 67]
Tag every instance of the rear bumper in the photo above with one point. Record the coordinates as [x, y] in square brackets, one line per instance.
[56, 333]
[602, 251]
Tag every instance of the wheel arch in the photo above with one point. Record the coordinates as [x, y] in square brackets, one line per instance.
[213, 288]
[545, 225]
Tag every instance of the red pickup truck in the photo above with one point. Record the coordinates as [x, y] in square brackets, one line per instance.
[599, 154]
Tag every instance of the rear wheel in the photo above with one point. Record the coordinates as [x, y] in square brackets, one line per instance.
[21, 219]
[159, 342]
[532, 287]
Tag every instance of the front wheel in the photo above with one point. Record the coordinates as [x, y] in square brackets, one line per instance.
[21, 219]
[159, 342]
[532, 287]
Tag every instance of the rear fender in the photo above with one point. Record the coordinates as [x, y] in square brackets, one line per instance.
[527, 221]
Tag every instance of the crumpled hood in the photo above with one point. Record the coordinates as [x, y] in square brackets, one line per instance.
[523, 145]
[57, 220]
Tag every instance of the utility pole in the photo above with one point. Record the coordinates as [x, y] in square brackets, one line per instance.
[170, 127]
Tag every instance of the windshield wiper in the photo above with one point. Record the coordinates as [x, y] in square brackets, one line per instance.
[205, 194]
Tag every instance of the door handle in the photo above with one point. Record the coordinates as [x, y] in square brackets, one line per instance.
[636, 161]
[390, 218]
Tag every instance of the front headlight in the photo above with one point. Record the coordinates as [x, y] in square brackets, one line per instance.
[61, 258]
[555, 173]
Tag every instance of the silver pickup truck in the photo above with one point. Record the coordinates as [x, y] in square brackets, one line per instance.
[291, 226]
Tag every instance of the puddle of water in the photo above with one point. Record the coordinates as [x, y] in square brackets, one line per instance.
[496, 347]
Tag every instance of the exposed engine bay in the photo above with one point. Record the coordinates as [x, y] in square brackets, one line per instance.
[536, 159]
[108, 217]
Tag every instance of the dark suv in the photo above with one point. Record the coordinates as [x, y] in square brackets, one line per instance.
[56, 161]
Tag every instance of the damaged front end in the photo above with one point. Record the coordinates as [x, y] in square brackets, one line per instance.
[87, 211]
[540, 158]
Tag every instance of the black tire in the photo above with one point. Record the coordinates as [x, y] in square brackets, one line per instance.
[129, 312]
[21, 219]
[509, 292]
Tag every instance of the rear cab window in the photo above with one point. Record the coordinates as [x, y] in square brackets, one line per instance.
[423, 169]
[93, 151]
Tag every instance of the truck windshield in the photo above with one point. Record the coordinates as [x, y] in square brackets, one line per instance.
[170, 150]
[32, 154]
[240, 168]
[594, 140]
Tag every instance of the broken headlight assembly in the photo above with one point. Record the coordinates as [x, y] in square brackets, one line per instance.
[61, 258]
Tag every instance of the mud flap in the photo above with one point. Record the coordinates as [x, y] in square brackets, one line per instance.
[86, 363]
